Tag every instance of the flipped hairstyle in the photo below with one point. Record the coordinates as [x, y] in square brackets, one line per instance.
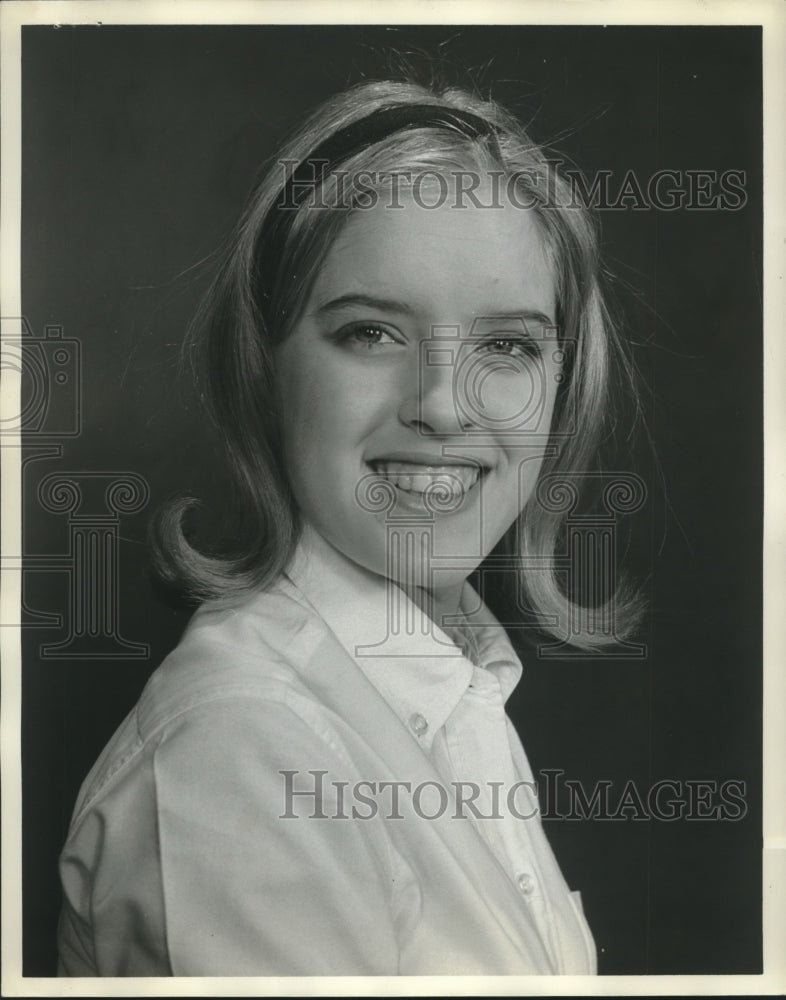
[245, 314]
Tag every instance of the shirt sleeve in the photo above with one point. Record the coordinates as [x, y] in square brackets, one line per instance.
[257, 881]
[252, 881]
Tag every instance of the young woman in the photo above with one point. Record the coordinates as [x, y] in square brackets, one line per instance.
[405, 338]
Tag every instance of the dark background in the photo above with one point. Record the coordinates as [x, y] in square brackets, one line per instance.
[140, 145]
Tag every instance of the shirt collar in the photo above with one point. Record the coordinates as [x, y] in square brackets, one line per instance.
[416, 666]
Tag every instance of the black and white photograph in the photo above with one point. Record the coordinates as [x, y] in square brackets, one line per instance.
[383, 439]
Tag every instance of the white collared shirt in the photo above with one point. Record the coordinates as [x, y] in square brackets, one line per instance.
[186, 857]
[454, 707]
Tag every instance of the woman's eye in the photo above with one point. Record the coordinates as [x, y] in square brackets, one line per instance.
[509, 346]
[367, 335]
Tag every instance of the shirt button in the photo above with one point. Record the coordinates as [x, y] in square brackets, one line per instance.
[418, 724]
[526, 884]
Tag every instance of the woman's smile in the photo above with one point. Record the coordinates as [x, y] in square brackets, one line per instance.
[425, 477]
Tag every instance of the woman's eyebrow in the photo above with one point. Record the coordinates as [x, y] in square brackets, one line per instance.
[368, 301]
[525, 315]
[396, 305]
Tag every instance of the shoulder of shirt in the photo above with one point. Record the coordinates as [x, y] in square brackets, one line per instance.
[256, 648]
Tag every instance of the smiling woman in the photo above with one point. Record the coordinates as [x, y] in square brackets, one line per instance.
[388, 282]
[406, 335]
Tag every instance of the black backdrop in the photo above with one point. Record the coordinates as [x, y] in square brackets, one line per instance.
[139, 147]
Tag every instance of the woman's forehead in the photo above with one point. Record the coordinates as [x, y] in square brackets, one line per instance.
[479, 256]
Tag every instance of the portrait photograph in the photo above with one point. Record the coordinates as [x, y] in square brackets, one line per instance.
[383, 439]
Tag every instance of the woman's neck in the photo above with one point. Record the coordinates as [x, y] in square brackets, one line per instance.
[437, 604]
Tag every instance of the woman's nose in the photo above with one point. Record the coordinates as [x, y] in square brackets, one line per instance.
[430, 405]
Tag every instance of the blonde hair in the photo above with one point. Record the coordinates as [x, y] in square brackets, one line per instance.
[231, 343]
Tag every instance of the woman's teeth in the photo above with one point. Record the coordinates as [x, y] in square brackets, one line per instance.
[414, 478]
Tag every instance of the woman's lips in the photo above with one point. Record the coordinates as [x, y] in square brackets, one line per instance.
[449, 480]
